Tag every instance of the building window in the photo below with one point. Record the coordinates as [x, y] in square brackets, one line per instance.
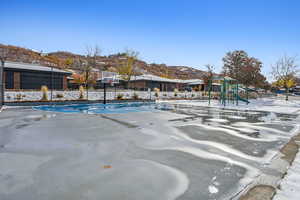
[35, 80]
[9, 80]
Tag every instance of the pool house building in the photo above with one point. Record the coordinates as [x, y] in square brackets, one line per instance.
[24, 76]
[143, 82]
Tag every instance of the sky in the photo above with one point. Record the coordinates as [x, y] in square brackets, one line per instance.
[174, 32]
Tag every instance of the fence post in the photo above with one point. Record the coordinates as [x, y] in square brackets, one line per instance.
[2, 83]
[104, 100]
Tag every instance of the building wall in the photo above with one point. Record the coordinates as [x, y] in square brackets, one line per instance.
[162, 86]
[34, 80]
[139, 85]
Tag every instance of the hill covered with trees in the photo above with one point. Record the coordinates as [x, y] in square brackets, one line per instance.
[68, 60]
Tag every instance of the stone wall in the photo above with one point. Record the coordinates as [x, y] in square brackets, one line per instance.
[11, 96]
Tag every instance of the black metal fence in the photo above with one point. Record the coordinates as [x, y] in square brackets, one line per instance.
[23, 86]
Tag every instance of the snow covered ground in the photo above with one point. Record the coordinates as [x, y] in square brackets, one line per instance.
[262, 104]
[290, 185]
[186, 153]
[186, 134]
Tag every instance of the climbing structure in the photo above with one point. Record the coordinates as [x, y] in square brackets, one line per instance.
[229, 91]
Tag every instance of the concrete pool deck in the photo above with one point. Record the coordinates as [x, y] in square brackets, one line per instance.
[184, 153]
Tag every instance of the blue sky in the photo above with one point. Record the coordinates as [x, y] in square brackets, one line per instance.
[174, 32]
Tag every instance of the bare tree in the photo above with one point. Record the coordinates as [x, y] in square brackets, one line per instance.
[208, 78]
[284, 72]
[92, 53]
[209, 74]
[128, 65]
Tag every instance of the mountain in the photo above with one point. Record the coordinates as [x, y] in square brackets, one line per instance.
[68, 60]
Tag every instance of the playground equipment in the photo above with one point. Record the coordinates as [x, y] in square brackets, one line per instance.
[229, 91]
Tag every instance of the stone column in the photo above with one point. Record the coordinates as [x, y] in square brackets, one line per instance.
[65, 83]
[17, 80]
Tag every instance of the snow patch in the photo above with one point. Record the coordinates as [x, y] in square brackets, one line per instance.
[262, 104]
[218, 120]
[290, 185]
[213, 189]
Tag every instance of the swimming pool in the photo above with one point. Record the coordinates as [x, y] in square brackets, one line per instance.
[100, 108]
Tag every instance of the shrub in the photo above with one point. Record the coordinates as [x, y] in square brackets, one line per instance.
[81, 92]
[18, 97]
[135, 96]
[193, 95]
[156, 90]
[59, 96]
[44, 90]
[175, 92]
[120, 96]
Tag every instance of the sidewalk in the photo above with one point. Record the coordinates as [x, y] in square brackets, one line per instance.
[290, 185]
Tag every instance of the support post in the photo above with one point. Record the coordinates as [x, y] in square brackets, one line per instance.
[104, 87]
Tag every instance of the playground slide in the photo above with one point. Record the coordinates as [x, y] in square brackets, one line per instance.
[243, 100]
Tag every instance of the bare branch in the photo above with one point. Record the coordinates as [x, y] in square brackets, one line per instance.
[284, 72]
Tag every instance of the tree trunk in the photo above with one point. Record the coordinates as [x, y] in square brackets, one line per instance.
[247, 93]
[237, 94]
[209, 91]
[286, 94]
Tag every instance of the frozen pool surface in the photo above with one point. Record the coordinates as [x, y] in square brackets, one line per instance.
[105, 108]
[136, 151]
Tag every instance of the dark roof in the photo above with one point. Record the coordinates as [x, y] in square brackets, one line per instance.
[32, 67]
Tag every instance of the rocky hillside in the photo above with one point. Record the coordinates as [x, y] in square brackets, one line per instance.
[67, 60]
